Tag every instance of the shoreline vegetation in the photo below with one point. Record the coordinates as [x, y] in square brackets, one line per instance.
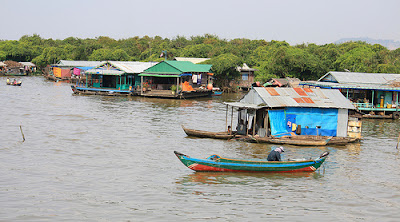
[272, 59]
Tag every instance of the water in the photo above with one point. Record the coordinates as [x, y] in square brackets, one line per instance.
[95, 158]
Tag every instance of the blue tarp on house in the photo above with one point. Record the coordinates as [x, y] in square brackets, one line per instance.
[289, 119]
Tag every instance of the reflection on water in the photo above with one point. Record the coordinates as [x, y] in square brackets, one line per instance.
[239, 178]
[101, 158]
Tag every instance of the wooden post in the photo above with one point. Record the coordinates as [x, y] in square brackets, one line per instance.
[231, 119]
[373, 92]
[226, 118]
[177, 85]
[141, 85]
[254, 122]
[266, 123]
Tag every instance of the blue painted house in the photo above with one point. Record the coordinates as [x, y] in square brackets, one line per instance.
[371, 93]
[266, 111]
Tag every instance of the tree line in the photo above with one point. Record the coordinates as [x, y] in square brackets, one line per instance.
[272, 59]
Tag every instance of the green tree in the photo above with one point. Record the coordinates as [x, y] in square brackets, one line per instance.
[119, 55]
[224, 68]
[359, 59]
[101, 55]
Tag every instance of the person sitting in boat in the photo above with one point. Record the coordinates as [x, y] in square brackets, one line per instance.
[15, 82]
[8, 81]
[275, 155]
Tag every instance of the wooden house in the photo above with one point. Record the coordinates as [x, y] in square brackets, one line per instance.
[246, 77]
[176, 79]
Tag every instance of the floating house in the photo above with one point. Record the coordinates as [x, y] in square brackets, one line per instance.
[68, 70]
[176, 79]
[246, 77]
[113, 78]
[2, 68]
[276, 112]
[374, 94]
[13, 68]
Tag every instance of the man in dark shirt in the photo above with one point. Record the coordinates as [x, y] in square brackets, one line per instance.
[275, 154]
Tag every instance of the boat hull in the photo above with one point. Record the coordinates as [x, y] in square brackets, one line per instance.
[233, 165]
[207, 134]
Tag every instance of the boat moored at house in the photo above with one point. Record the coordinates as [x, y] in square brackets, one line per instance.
[176, 80]
[296, 116]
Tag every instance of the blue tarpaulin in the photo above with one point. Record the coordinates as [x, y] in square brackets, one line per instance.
[278, 122]
[287, 120]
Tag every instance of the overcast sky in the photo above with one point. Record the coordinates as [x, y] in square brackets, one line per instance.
[295, 21]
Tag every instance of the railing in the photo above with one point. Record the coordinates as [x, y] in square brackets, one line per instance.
[370, 106]
[363, 105]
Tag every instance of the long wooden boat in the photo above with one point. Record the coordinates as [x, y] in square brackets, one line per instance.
[298, 140]
[218, 164]
[292, 140]
[207, 134]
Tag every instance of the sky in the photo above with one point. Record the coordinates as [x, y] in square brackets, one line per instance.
[293, 21]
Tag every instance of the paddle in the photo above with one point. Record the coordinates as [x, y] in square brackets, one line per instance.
[398, 140]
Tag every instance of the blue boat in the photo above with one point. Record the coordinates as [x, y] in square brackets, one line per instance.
[218, 164]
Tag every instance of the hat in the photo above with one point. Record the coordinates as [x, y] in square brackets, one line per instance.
[279, 149]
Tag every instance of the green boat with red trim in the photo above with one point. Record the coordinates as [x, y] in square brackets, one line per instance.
[218, 164]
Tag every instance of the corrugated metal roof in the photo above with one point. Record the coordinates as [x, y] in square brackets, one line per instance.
[321, 98]
[193, 60]
[357, 77]
[244, 105]
[27, 64]
[104, 72]
[383, 87]
[121, 67]
[71, 63]
[132, 67]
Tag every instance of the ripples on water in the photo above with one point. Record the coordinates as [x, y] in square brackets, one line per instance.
[94, 158]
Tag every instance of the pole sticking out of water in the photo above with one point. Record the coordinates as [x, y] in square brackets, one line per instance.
[23, 137]
[398, 140]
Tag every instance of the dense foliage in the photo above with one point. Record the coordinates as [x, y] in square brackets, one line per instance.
[272, 59]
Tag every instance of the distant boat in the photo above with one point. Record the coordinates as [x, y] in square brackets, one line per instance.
[218, 164]
[14, 83]
[216, 93]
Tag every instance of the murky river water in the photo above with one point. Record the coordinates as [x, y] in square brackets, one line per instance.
[95, 158]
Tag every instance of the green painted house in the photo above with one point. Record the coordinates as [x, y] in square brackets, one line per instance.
[192, 79]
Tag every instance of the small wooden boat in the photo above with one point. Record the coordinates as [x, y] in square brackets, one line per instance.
[207, 134]
[219, 164]
[14, 84]
[216, 93]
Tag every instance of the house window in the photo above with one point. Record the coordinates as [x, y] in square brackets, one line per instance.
[245, 76]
